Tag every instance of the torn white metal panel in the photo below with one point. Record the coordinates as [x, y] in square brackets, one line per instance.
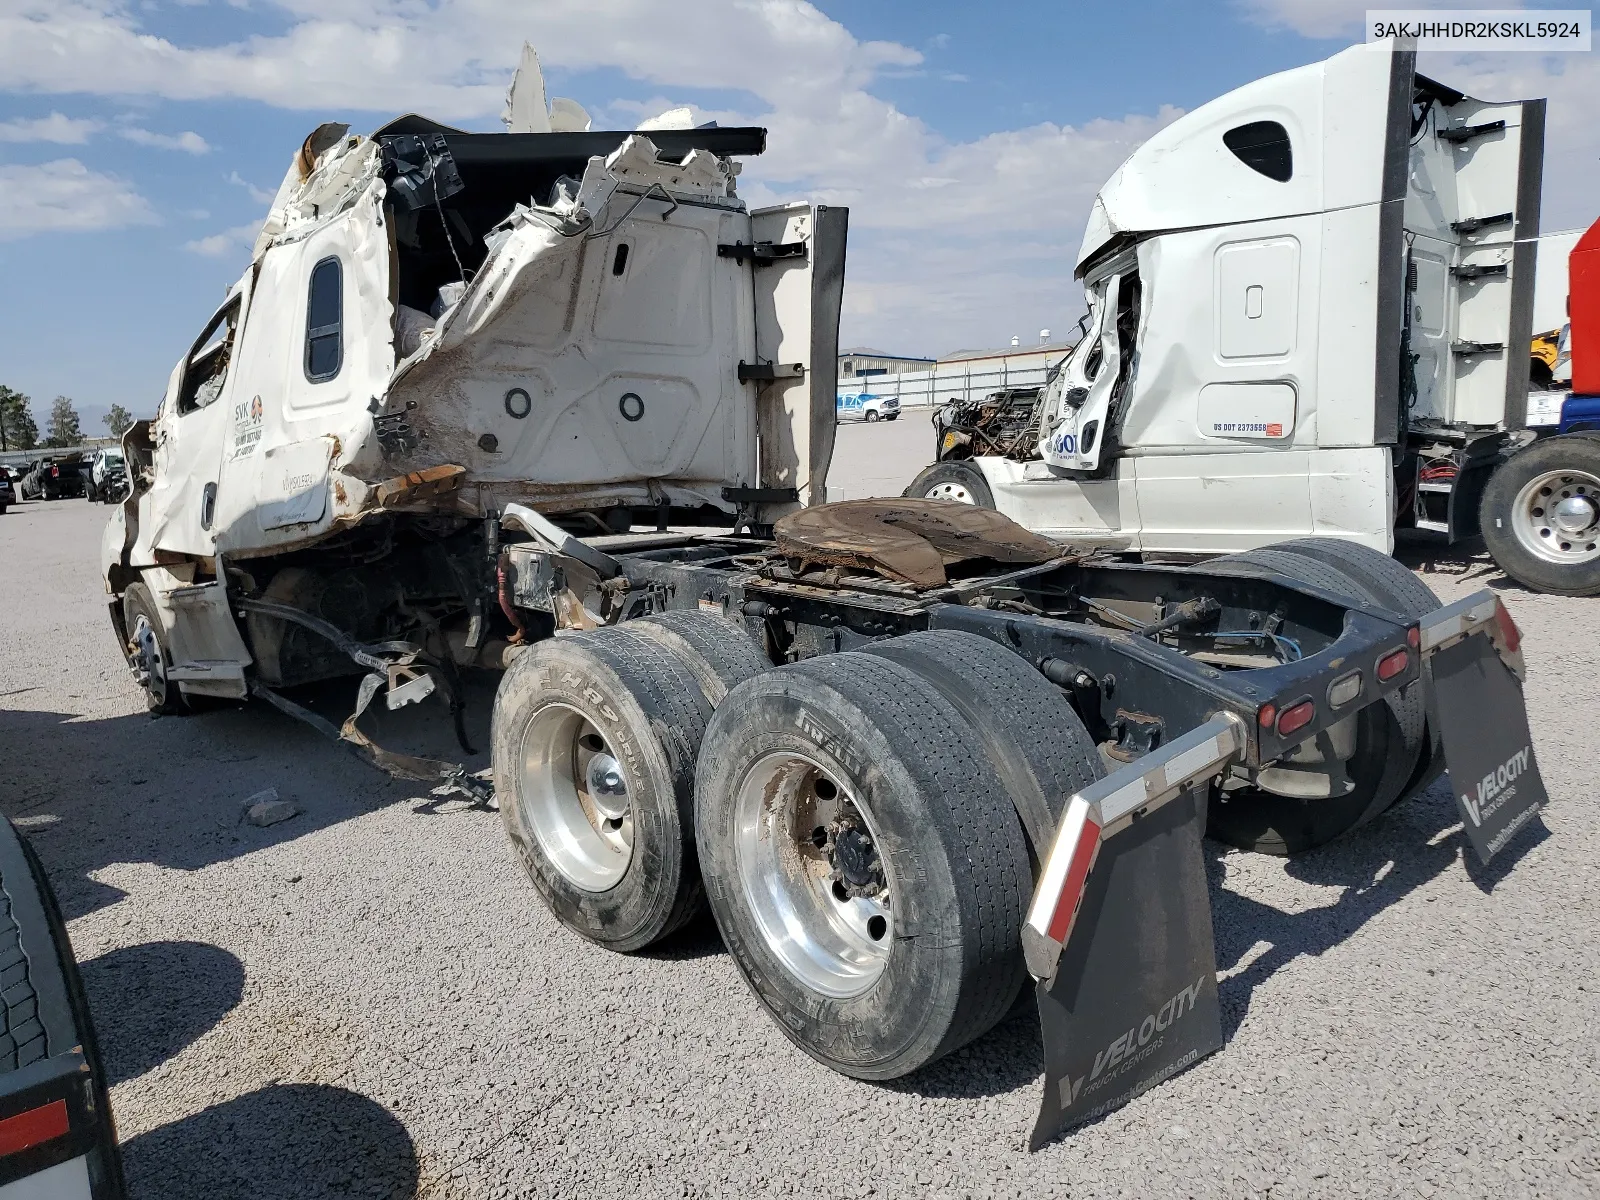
[208, 653]
[599, 345]
[525, 110]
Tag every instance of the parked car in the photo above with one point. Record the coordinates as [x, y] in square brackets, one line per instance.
[58, 1139]
[8, 490]
[54, 478]
[864, 406]
[107, 476]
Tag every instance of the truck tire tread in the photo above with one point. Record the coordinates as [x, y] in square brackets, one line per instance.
[945, 821]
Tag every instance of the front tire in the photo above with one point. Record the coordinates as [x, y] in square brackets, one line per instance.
[961, 482]
[1540, 515]
[147, 652]
[870, 417]
[863, 862]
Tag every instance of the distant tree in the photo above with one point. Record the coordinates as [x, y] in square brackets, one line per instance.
[63, 429]
[118, 420]
[18, 430]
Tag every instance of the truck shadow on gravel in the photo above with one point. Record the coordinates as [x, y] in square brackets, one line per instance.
[152, 1000]
[294, 1141]
[1465, 562]
[1378, 866]
[172, 792]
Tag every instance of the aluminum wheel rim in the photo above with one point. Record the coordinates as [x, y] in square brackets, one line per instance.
[832, 934]
[576, 798]
[1556, 517]
[950, 491]
[144, 655]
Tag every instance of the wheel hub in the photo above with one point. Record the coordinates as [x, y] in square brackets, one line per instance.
[573, 796]
[810, 869]
[144, 656]
[608, 788]
[950, 491]
[1556, 517]
[855, 859]
[1574, 514]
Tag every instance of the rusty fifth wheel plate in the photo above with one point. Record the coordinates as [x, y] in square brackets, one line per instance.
[909, 540]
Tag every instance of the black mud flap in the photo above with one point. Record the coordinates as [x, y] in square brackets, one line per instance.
[1483, 722]
[1133, 999]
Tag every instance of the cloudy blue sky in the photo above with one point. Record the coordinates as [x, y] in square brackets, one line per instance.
[140, 139]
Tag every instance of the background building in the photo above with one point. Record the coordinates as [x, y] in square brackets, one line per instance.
[862, 360]
[1006, 362]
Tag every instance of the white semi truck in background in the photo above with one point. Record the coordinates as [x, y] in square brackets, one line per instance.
[1311, 303]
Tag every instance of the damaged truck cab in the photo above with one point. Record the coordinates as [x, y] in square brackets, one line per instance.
[436, 324]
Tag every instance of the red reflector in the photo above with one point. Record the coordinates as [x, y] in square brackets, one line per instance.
[1392, 664]
[1296, 716]
[1414, 638]
[55, 472]
[1072, 886]
[1509, 633]
[31, 1128]
[1268, 714]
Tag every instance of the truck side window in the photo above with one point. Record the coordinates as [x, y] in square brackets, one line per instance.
[207, 367]
[1262, 146]
[324, 322]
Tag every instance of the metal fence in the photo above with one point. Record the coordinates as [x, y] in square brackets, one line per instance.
[928, 389]
[16, 458]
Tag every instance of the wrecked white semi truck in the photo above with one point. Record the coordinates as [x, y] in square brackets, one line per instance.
[1310, 312]
[873, 737]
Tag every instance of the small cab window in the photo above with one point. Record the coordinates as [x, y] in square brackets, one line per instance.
[1262, 146]
[325, 322]
[207, 367]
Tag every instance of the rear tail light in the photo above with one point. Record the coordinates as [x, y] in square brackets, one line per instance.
[1342, 691]
[55, 472]
[34, 1127]
[1296, 716]
[1509, 633]
[1393, 663]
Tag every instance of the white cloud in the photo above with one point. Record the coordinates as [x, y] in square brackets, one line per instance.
[65, 196]
[188, 141]
[220, 245]
[259, 195]
[64, 131]
[1571, 82]
[1310, 18]
[780, 63]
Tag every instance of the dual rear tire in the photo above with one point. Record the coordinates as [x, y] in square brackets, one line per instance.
[853, 820]
[1389, 752]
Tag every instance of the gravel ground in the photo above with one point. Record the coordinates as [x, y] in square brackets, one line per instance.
[368, 1000]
